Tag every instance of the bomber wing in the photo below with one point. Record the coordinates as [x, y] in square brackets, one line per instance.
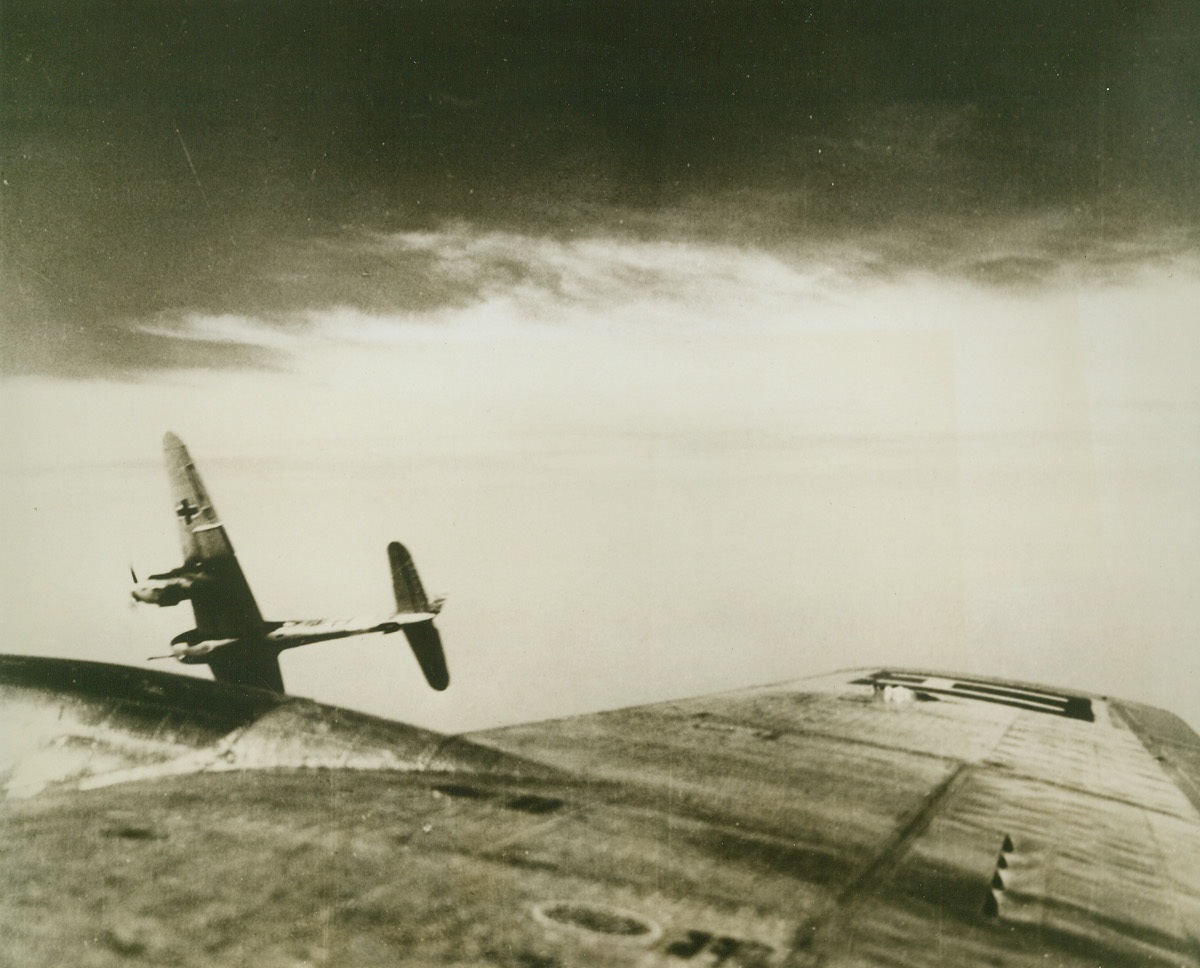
[223, 603]
[910, 818]
[867, 818]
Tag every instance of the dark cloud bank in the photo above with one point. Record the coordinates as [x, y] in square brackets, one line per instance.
[178, 156]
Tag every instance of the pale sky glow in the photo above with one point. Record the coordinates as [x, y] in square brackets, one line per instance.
[647, 469]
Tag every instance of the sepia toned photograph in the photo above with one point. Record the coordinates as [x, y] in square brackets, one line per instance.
[714, 483]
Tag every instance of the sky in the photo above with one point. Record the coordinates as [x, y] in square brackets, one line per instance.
[686, 345]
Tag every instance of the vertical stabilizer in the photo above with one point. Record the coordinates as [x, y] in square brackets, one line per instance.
[426, 644]
[410, 594]
[422, 636]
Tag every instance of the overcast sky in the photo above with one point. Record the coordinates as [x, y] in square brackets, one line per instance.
[686, 345]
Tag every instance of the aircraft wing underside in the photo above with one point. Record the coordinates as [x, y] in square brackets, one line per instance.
[877, 817]
[223, 603]
[249, 665]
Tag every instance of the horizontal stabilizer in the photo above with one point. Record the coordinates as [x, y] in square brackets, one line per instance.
[426, 644]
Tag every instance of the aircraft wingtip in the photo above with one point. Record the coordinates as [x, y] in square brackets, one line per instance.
[171, 441]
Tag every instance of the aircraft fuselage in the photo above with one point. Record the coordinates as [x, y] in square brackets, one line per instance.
[189, 649]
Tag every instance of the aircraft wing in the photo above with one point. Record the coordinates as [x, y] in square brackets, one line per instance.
[224, 604]
[248, 665]
[868, 818]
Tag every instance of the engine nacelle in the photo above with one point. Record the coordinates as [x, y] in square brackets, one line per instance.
[166, 590]
[188, 647]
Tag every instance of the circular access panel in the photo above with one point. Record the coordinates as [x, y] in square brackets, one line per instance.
[597, 919]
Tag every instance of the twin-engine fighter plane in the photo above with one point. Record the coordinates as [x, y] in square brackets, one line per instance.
[231, 637]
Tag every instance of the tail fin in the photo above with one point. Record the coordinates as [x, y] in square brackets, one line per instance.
[410, 594]
[424, 639]
[426, 644]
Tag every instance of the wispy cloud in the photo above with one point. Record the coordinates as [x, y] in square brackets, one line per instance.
[469, 279]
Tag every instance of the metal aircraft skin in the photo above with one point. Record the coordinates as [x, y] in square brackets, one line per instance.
[867, 818]
[874, 817]
[231, 637]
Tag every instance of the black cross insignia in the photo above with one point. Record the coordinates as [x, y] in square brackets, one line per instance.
[186, 510]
